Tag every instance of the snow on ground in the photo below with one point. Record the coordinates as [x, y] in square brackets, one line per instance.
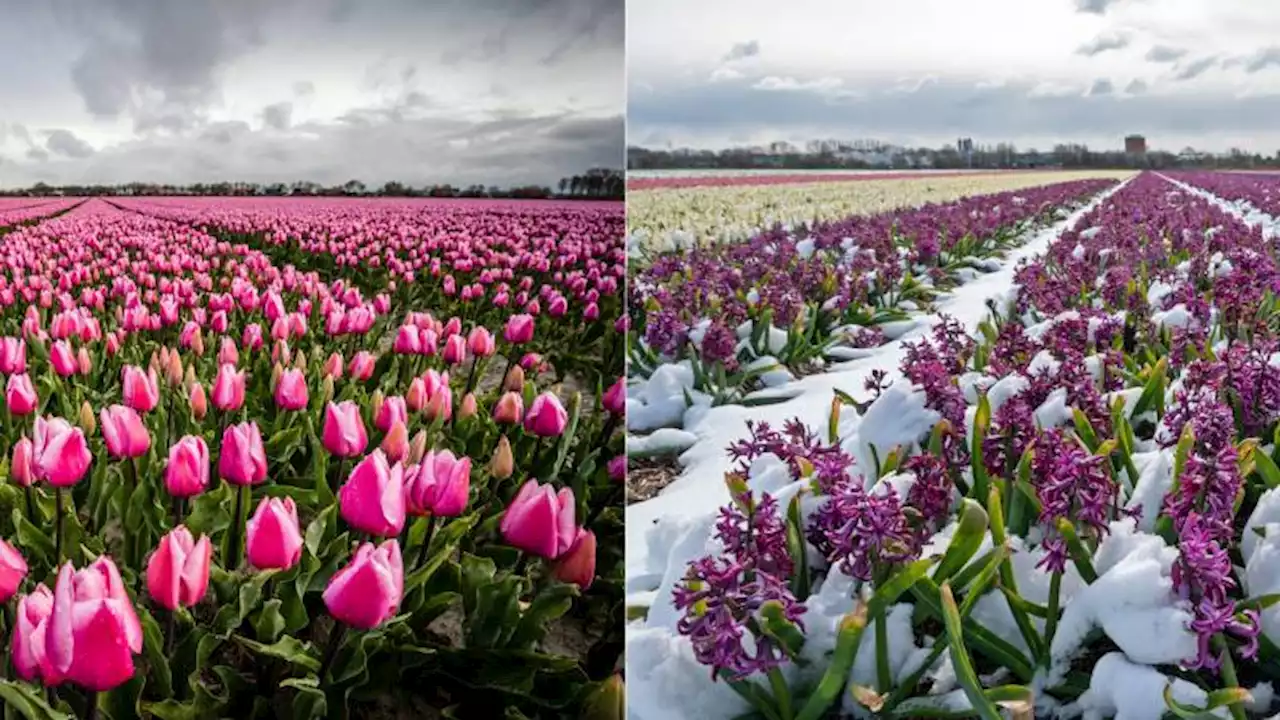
[699, 491]
[1240, 208]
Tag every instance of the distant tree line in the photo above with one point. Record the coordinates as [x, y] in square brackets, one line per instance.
[594, 184]
[870, 154]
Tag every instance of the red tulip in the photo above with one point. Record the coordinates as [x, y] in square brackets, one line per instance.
[228, 388]
[367, 592]
[20, 395]
[60, 453]
[372, 499]
[141, 390]
[546, 416]
[343, 434]
[540, 521]
[440, 485]
[242, 460]
[178, 571]
[578, 564]
[124, 431]
[187, 473]
[273, 540]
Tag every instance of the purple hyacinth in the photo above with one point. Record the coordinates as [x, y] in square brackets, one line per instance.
[1202, 576]
[757, 536]
[721, 600]
[863, 531]
[1070, 484]
[1207, 489]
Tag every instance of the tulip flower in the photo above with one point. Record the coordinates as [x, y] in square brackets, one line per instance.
[455, 350]
[615, 398]
[291, 390]
[440, 406]
[199, 403]
[63, 358]
[514, 380]
[60, 453]
[540, 521]
[124, 432]
[468, 407]
[390, 411]
[416, 398]
[362, 365]
[13, 569]
[273, 540]
[228, 388]
[546, 416]
[618, 468]
[92, 632]
[439, 485]
[333, 366]
[26, 644]
[228, 354]
[519, 329]
[367, 591]
[503, 462]
[20, 395]
[396, 442]
[480, 342]
[20, 470]
[242, 460]
[141, 390]
[187, 473]
[178, 571]
[578, 564]
[13, 356]
[343, 434]
[84, 363]
[509, 409]
[372, 499]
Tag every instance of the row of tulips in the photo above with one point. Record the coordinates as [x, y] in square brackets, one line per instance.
[668, 182]
[793, 295]
[286, 525]
[1084, 522]
[20, 211]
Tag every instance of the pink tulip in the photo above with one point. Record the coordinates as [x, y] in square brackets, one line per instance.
[367, 592]
[228, 388]
[546, 416]
[20, 470]
[63, 358]
[60, 453]
[618, 468]
[343, 434]
[20, 395]
[227, 352]
[27, 642]
[92, 632]
[178, 571]
[439, 485]
[540, 521]
[84, 363]
[519, 329]
[273, 540]
[455, 349]
[615, 398]
[242, 460]
[291, 391]
[362, 365]
[480, 342]
[578, 564]
[440, 406]
[393, 409]
[416, 398]
[187, 473]
[13, 356]
[333, 366]
[124, 431]
[13, 568]
[407, 341]
[509, 409]
[199, 402]
[141, 390]
[372, 499]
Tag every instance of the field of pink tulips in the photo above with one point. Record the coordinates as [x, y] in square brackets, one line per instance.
[1061, 501]
[311, 458]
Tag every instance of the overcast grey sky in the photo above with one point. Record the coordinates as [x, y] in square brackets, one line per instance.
[462, 91]
[1204, 73]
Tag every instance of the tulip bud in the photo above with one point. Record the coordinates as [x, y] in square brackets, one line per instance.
[276, 371]
[578, 564]
[189, 377]
[197, 345]
[326, 390]
[300, 360]
[396, 443]
[199, 403]
[20, 471]
[87, 422]
[178, 571]
[375, 402]
[418, 447]
[514, 382]
[468, 408]
[13, 569]
[504, 462]
[173, 371]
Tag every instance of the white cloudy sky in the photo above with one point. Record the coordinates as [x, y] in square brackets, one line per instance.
[1204, 73]
[463, 91]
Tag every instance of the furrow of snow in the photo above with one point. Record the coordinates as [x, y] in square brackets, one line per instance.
[653, 525]
[1242, 209]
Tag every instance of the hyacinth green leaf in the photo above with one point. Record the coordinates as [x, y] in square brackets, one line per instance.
[1267, 469]
[960, 660]
[1186, 441]
[1080, 555]
[848, 638]
[994, 647]
[970, 532]
[1153, 392]
[833, 421]
[1216, 699]
[28, 701]
[981, 424]
[1259, 602]
[797, 548]
[1084, 430]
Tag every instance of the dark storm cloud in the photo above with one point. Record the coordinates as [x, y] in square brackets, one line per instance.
[65, 142]
[939, 110]
[571, 25]
[278, 116]
[1165, 54]
[1262, 59]
[1103, 43]
[1195, 69]
[742, 51]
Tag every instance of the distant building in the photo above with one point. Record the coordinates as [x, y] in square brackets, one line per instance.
[1135, 145]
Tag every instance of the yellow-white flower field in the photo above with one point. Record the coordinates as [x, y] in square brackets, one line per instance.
[671, 218]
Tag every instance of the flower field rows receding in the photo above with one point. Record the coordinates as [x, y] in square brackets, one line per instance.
[19, 211]
[340, 459]
[731, 179]
[665, 219]
[1073, 512]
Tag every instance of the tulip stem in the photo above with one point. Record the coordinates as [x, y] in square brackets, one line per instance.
[170, 630]
[521, 565]
[31, 505]
[179, 510]
[471, 376]
[336, 636]
[424, 551]
[233, 540]
[57, 526]
[91, 711]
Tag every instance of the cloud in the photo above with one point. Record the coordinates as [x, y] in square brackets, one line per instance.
[725, 73]
[742, 51]
[1103, 43]
[1101, 86]
[65, 142]
[1262, 59]
[1165, 54]
[1195, 69]
[773, 83]
[304, 88]
[1136, 87]
[278, 116]
[1097, 7]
